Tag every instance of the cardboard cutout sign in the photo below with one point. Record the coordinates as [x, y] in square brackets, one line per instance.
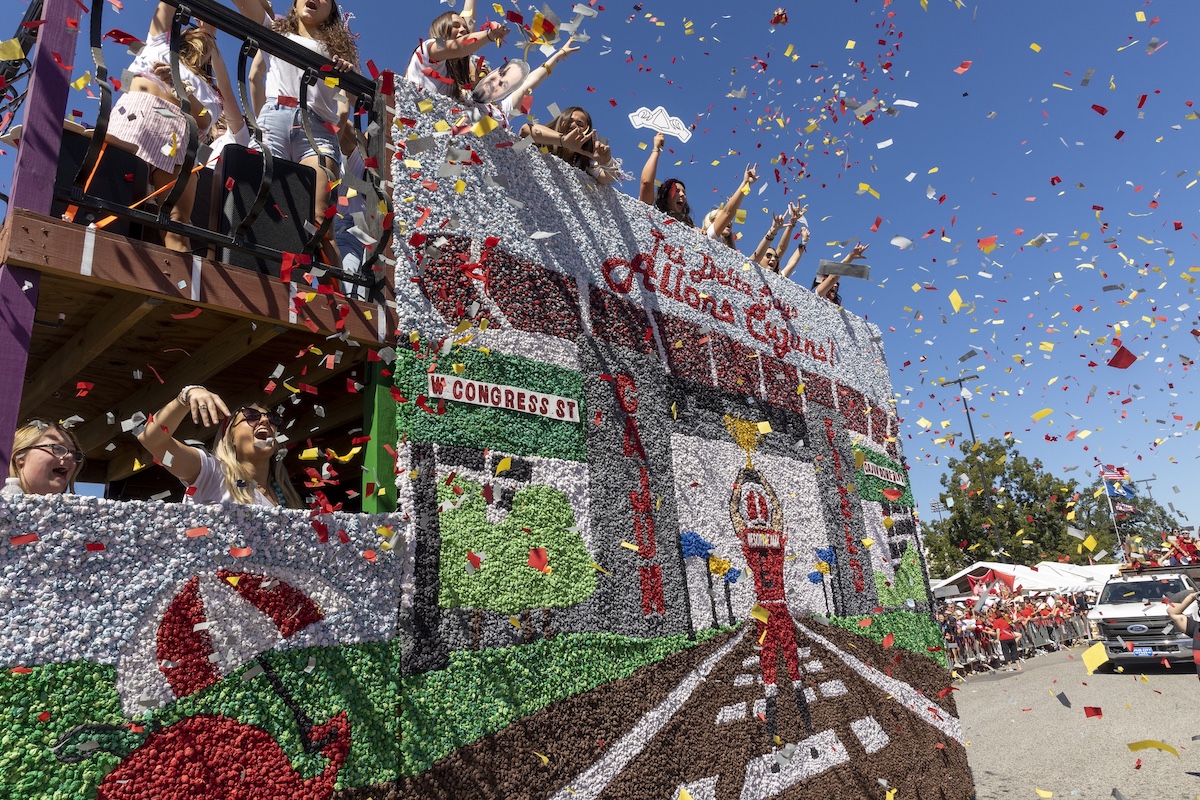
[500, 83]
[662, 122]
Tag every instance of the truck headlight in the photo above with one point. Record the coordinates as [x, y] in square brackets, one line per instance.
[1094, 628]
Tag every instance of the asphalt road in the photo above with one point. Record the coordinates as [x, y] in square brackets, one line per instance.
[1021, 737]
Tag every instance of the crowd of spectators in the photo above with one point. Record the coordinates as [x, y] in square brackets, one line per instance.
[1000, 632]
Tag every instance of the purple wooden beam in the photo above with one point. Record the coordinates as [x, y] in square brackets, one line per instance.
[33, 189]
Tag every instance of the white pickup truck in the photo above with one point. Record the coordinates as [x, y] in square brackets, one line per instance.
[1130, 617]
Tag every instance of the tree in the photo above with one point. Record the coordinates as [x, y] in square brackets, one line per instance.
[1149, 523]
[994, 490]
[908, 583]
[534, 558]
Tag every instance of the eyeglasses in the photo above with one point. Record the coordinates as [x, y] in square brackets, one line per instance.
[253, 415]
[58, 451]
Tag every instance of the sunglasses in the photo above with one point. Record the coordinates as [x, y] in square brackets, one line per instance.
[58, 451]
[253, 415]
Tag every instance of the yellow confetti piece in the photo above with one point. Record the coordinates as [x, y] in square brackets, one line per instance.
[1035, 47]
[1045, 412]
[233, 579]
[868, 542]
[1043, 792]
[460, 186]
[441, 126]
[516, 623]
[759, 613]
[1094, 657]
[545, 760]
[629, 546]
[599, 568]
[684, 794]
[504, 465]
[332, 83]
[850, 43]
[1153, 744]
[1140, 16]
[82, 81]
[425, 106]
[11, 51]
[891, 794]
[310, 454]
[1090, 542]
[865, 188]
[485, 126]
[956, 300]
[459, 369]
[888, 522]
[764, 427]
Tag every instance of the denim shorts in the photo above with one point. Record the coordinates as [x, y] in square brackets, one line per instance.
[283, 133]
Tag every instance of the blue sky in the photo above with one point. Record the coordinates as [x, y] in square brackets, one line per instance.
[1011, 147]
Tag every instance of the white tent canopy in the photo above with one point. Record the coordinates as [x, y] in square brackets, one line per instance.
[1047, 576]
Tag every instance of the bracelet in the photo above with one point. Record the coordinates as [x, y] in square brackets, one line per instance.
[185, 391]
[562, 142]
[549, 68]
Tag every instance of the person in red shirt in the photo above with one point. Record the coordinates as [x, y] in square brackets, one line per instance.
[1001, 628]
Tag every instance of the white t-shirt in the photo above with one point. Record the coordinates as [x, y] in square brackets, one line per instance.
[430, 75]
[210, 484]
[284, 79]
[219, 144]
[158, 50]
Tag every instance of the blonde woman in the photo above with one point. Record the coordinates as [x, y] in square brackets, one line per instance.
[245, 467]
[45, 458]
[718, 223]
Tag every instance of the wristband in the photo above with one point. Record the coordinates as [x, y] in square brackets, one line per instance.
[185, 391]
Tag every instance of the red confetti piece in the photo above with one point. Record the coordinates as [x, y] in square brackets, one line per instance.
[1092, 711]
[240, 552]
[865, 623]
[94, 547]
[194, 532]
[369, 555]
[538, 559]
[25, 538]
[889, 640]
[44, 716]
[195, 312]
[21, 670]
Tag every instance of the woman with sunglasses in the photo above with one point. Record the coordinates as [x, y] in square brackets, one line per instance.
[245, 467]
[45, 458]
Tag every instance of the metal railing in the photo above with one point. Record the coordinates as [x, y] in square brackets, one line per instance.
[369, 102]
[976, 649]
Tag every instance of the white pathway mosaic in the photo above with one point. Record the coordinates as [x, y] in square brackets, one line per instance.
[761, 782]
[703, 789]
[870, 734]
[732, 713]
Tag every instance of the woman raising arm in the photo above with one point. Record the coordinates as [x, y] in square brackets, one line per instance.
[245, 467]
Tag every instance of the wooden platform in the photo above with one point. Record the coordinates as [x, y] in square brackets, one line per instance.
[122, 325]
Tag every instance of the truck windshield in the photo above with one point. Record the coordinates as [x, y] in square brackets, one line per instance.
[1140, 591]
